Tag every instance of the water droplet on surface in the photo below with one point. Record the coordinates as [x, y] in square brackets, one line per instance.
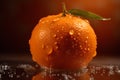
[91, 78]
[71, 32]
[42, 21]
[111, 72]
[118, 71]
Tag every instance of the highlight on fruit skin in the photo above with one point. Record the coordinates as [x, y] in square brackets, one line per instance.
[63, 42]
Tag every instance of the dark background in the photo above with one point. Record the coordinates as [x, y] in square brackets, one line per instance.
[19, 17]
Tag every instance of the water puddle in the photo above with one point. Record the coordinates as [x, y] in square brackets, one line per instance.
[35, 72]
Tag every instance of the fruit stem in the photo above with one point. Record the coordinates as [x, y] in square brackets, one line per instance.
[64, 9]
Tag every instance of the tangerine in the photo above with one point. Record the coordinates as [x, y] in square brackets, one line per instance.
[63, 42]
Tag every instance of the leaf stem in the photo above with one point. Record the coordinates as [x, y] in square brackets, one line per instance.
[64, 9]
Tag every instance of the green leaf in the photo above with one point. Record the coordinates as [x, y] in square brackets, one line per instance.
[86, 14]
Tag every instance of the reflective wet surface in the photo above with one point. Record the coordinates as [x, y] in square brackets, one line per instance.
[108, 69]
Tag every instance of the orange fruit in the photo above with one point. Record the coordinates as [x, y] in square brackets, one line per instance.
[63, 42]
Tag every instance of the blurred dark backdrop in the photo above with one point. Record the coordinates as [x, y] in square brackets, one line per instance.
[19, 17]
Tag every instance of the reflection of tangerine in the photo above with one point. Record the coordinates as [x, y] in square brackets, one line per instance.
[62, 76]
[63, 42]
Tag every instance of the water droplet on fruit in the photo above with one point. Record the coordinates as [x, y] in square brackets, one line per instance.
[94, 54]
[49, 50]
[74, 38]
[43, 46]
[58, 38]
[73, 46]
[76, 44]
[57, 30]
[78, 33]
[61, 37]
[85, 41]
[81, 47]
[54, 35]
[68, 52]
[88, 49]
[47, 21]
[42, 34]
[85, 48]
[62, 27]
[87, 21]
[71, 32]
[56, 19]
[55, 43]
[87, 37]
[56, 47]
